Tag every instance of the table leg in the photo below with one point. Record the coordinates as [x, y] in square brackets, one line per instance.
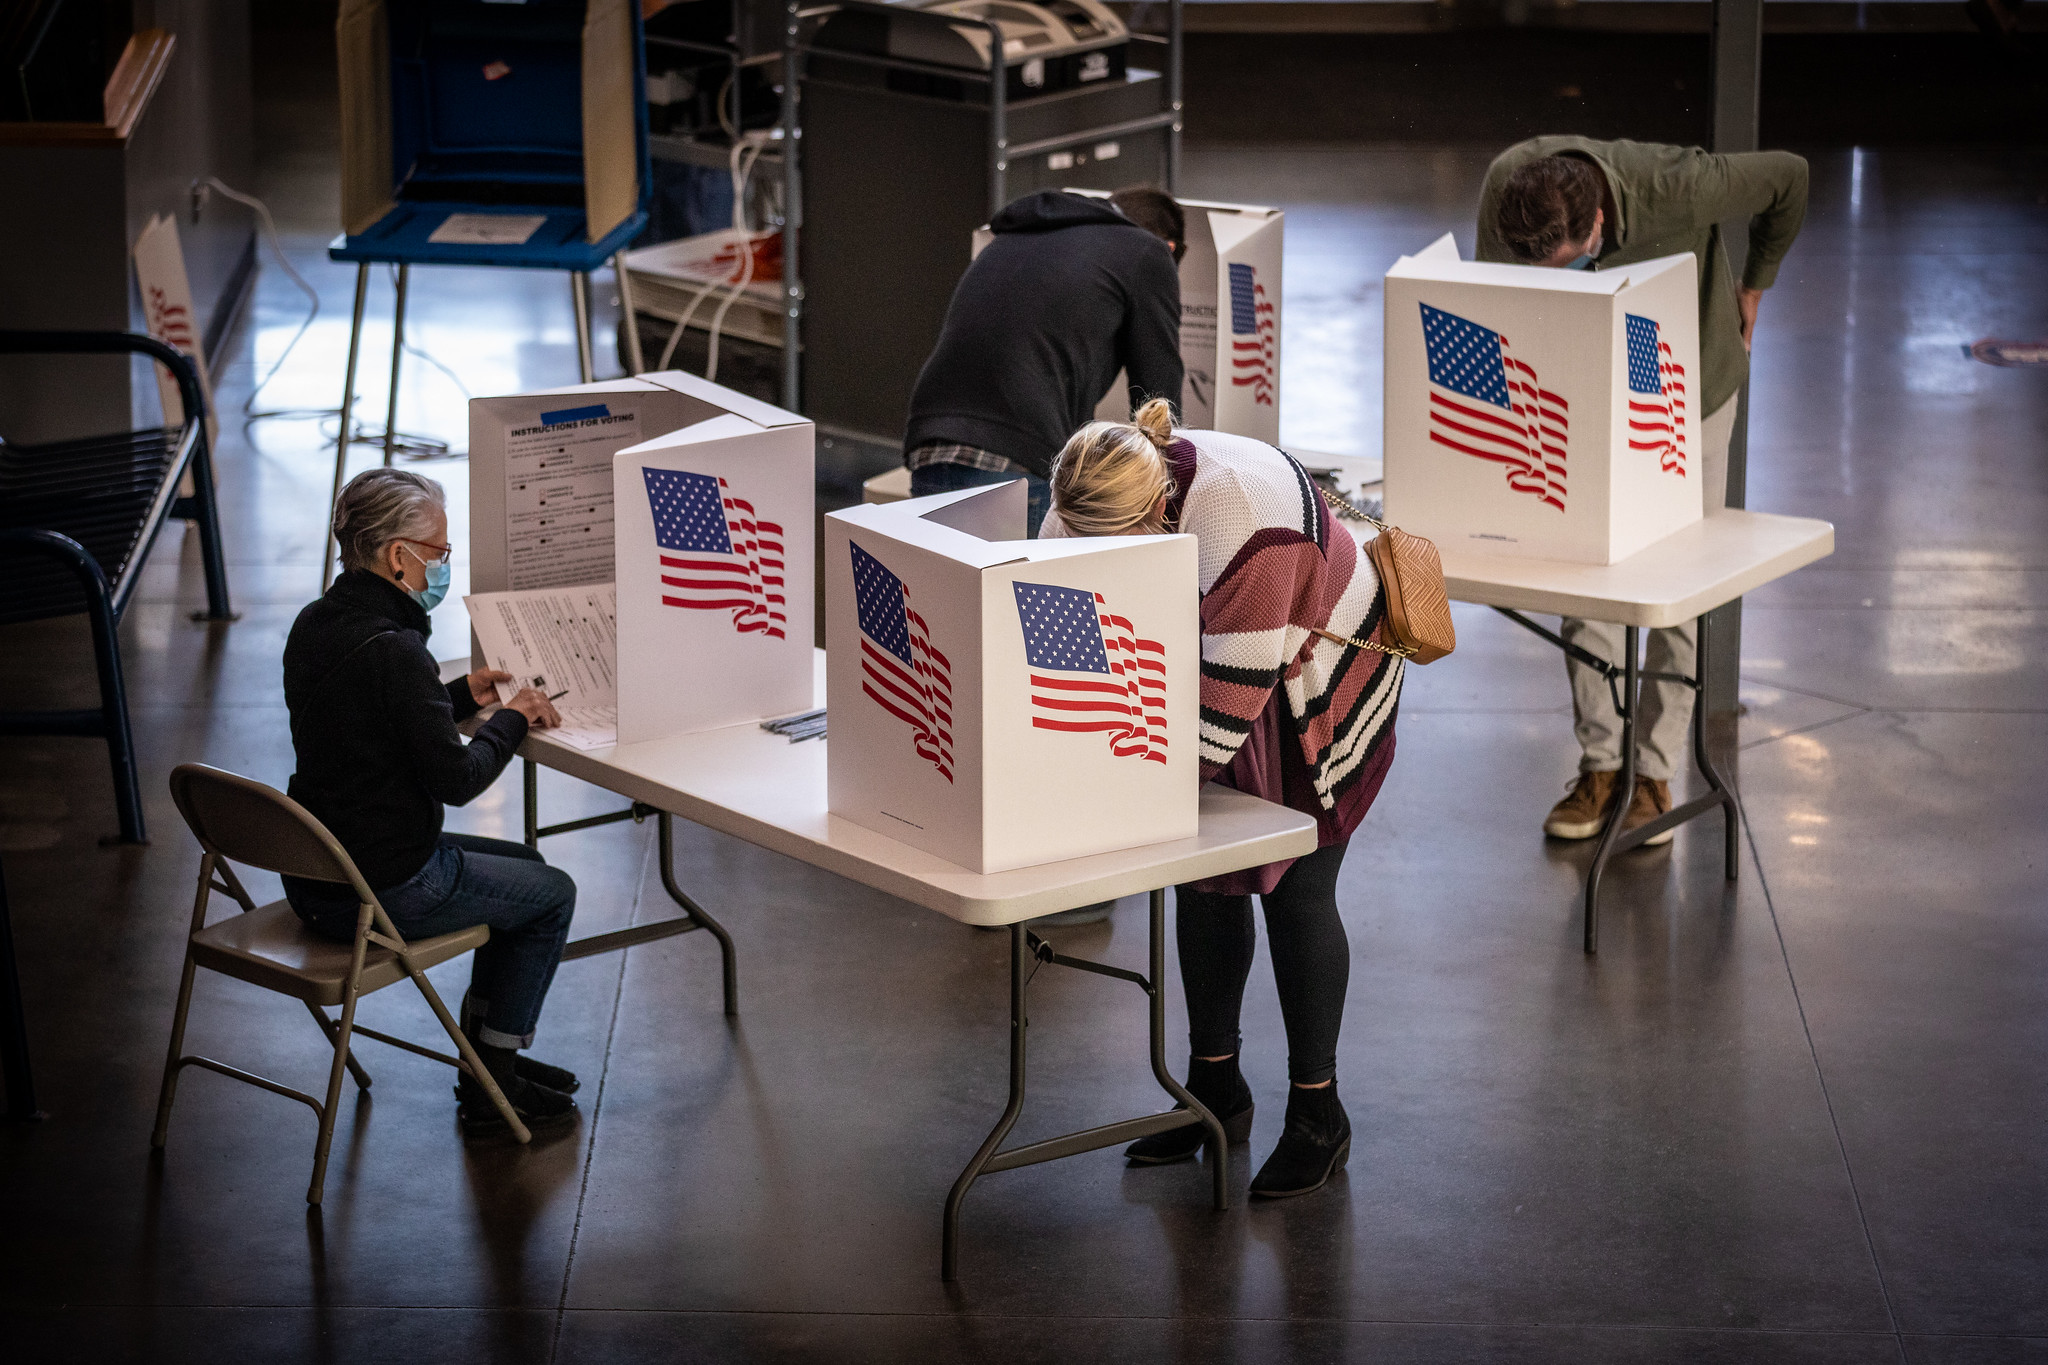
[1719, 793]
[987, 1160]
[629, 316]
[348, 405]
[634, 935]
[1219, 1141]
[530, 778]
[1731, 809]
[579, 294]
[1624, 788]
[696, 918]
[949, 1235]
[397, 353]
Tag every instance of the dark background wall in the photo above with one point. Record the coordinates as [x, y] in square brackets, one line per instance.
[1503, 84]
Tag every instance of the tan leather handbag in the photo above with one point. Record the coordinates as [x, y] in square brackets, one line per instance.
[1411, 574]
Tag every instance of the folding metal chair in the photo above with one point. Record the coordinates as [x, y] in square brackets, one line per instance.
[236, 818]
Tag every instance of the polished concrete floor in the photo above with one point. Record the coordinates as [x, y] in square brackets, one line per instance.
[1801, 1117]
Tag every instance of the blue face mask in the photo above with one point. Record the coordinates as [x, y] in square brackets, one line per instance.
[438, 574]
[1582, 263]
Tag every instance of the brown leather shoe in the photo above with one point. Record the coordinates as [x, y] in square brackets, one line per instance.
[1580, 814]
[1651, 800]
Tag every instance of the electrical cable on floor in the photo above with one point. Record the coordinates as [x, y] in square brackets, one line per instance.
[411, 446]
[269, 226]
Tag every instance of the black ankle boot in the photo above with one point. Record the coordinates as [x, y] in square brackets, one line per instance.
[1315, 1143]
[542, 1110]
[1221, 1089]
[523, 1066]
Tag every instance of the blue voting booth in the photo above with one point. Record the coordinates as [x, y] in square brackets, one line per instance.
[508, 133]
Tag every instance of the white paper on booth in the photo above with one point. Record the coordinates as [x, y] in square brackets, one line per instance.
[487, 229]
[558, 491]
[562, 641]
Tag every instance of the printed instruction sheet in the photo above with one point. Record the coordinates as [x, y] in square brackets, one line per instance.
[563, 641]
[558, 494]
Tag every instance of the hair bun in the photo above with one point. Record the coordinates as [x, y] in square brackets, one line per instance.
[1155, 419]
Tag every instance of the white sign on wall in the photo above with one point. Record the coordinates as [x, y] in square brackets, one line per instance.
[1544, 413]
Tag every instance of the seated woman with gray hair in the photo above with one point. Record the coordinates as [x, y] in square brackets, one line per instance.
[379, 757]
[1297, 707]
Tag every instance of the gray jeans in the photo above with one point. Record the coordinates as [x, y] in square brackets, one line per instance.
[1663, 727]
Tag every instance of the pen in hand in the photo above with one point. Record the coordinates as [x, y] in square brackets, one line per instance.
[557, 696]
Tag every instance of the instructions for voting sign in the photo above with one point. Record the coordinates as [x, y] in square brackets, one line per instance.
[558, 494]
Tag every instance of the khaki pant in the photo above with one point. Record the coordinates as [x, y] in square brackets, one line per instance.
[1663, 728]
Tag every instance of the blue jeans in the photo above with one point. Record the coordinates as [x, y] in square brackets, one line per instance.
[951, 478]
[471, 880]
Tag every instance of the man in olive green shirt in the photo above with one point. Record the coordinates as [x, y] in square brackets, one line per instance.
[1576, 202]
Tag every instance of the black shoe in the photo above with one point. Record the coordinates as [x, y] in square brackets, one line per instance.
[540, 1073]
[1313, 1146]
[526, 1068]
[1221, 1089]
[545, 1112]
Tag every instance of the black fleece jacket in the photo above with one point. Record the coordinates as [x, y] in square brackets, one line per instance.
[374, 727]
[1069, 292]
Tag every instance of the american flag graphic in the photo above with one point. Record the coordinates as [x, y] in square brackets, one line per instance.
[1090, 671]
[1656, 396]
[899, 668]
[1485, 403]
[170, 323]
[715, 554]
[1251, 334]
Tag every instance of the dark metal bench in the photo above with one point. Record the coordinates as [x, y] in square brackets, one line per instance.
[77, 520]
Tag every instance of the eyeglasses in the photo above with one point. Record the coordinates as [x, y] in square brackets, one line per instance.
[441, 552]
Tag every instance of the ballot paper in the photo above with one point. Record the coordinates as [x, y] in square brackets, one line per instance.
[487, 229]
[563, 642]
[587, 727]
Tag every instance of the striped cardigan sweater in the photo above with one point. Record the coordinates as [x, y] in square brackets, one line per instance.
[1274, 566]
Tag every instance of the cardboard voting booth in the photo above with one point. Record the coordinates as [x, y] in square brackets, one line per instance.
[474, 131]
[1004, 702]
[695, 500]
[1229, 320]
[1550, 414]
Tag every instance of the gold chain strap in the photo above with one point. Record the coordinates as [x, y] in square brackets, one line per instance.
[1398, 651]
[1341, 505]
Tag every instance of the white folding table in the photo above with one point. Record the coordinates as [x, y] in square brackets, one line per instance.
[1678, 579]
[760, 787]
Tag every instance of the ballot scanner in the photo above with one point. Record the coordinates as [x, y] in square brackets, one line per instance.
[1048, 45]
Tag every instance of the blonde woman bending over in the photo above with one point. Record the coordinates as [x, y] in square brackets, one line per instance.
[1288, 714]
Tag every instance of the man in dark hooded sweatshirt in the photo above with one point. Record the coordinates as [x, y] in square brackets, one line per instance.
[1072, 290]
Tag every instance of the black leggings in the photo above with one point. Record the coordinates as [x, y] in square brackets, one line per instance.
[1311, 964]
